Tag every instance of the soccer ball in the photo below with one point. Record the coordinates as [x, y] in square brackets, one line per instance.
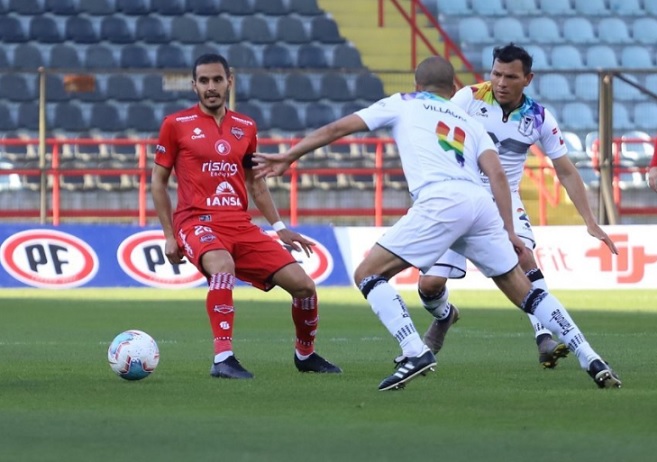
[133, 355]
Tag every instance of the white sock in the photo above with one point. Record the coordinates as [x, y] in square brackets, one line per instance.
[300, 356]
[552, 314]
[391, 310]
[223, 356]
[438, 307]
[539, 329]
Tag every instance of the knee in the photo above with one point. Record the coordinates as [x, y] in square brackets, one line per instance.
[431, 285]
[304, 289]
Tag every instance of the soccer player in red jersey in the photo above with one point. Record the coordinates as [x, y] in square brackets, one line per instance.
[652, 171]
[210, 148]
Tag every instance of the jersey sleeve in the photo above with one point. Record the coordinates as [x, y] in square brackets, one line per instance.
[463, 98]
[381, 114]
[551, 138]
[167, 144]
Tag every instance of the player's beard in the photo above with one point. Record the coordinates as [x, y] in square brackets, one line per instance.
[214, 106]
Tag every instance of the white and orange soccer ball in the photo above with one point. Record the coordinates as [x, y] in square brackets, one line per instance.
[133, 355]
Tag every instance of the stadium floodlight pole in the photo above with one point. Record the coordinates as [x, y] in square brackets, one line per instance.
[43, 202]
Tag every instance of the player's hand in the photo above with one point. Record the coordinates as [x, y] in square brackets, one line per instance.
[268, 165]
[597, 232]
[173, 252]
[296, 241]
[652, 178]
[518, 245]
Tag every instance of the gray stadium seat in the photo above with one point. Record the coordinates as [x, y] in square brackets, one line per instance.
[64, 56]
[325, 30]
[636, 147]
[26, 7]
[186, 29]
[255, 29]
[203, 7]
[270, 7]
[621, 117]
[62, 7]
[7, 123]
[346, 56]
[168, 7]
[319, 114]
[27, 56]
[264, 87]
[311, 57]
[368, 87]
[150, 29]
[135, 57]
[254, 111]
[236, 7]
[55, 91]
[45, 29]
[142, 118]
[277, 56]
[540, 60]
[242, 56]
[79, 29]
[286, 117]
[106, 117]
[69, 116]
[97, 7]
[153, 89]
[99, 57]
[334, 86]
[169, 56]
[299, 87]
[115, 29]
[220, 30]
[12, 30]
[133, 7]
[4, 59]
[290, 29]
[579, 30]
[121, 87]
[304, 7]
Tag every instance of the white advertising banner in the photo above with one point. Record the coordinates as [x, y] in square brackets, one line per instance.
[568, 256]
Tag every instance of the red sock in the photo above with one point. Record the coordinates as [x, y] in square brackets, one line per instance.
[304, 315]
[219, 305]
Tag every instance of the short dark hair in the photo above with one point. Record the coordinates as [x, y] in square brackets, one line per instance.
[512, 52]
[211, 58]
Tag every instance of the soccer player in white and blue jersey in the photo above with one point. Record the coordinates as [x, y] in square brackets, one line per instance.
[442, 150]
[515, 122]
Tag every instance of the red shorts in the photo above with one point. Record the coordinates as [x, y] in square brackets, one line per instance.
[257, 256]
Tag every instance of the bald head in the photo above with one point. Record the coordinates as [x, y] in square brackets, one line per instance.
[435, 74]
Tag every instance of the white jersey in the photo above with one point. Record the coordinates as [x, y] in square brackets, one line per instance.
[529, 124]
[437, 141]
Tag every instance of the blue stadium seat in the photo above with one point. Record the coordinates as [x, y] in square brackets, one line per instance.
[578, 116]
[334, 86]
[508, 29]
[305, 7]
[566, 57]
[650, 6]
[636, 147]
[576, 151]
[264, 87]
[28, 116]
[64, 56]
[454, 7]
[106, 117]
[219, 29]
[644, 115]
[255, 29]
[290, 29]
[636, 57]
[27, 56]
[350, 108]
[97, 94]
[135, 57]
[242, 56]
[115, 29]
[579, 30]
[556, 8]
[591, 7]
[27, 7]
[587, 87]
[299, 87]
[133, 7]
[17, 88]
[540, 60]
[12, 30]
[254, 111]
[122, 87]
[186, 29]
[169, 56]
[489, 7]
[277, 56]
[62, 7]
[236, 7]
[346, 56]
[613, 31]
[79, 29]
[601, 56]
[168, 7]
[203, 7]
[150, 29]
[555, 87]
[621, 117]
[4, 59]
[242, 87]
[44, 29]
[522, 7]
[626, 7]
[644, 30]
[270, 7]
[311, 57]
[153, 89]
[99, 57]
[55, 91]
[319, 114]
[97, 7]
[544, 30]
[142, 118]
[68, 116]
[325, 30]
[7, 123]
[368, 87]
[474, 30]
[285, 116]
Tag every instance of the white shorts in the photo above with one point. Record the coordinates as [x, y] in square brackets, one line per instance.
[452, 265]
[457, 215]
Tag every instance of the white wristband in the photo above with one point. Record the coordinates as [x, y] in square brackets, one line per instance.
[278, 226]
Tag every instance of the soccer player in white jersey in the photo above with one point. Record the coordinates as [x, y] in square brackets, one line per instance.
[515, 122]
[442, 150]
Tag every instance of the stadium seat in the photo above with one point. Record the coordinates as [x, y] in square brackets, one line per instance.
[106, 117]
[254, 111]
[64, 56]
[311, 57]
[135, 57]
[544, 30]
[242, 87]
[454, 7]
[12, 30]
[644, 115]
[62, 7]
[304, 7]
[334, 86]
[299, 87]
[368, 87]
[256, 30]
[508, 29]
[556, 8]
[71, 177]
[4, 60]
[97, 7]
[540, 60]
[290, 29]
[264, 87]
[522, 7]
[115, 181]
[325, 30]
[44, 29]
[27, 56]
[601, 56]
[624, 91]
[242, 56]
[626, 7]
[555, 87]
[579, 30]
[613, 31]
[142, 118]
[168, 7]
[587, 87]
[153, 89]
[115, 29]
[55, 91]
[488, 8]
[576, 150]
[186, 30]
[26, 7]
[636, 57]
[566, 57]
[203, 7]
[650, 7]
[79, 29]
[637, 147]
[204, 49]
[277, 56]
[169, 56]
[591, 7]
[621, 117]
[121, 87]
[346, 56]
[474, 30]
[644, 30]
[270, 7]
[99, 57]
[68, 116]
[319, 114]
[578, 116]
[236, 7]
[220, 30]
[150, 29]
[285, 117]
[97, 94]
[7, 123]
[133, 7]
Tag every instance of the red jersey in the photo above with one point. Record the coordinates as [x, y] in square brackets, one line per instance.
[209, 162]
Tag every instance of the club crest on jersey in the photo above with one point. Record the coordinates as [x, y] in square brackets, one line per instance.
[222, 147]
[526, 125]
[237, 132]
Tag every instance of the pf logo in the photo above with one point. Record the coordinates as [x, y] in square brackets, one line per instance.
[318, 266]
[48, 259]
[141, 256]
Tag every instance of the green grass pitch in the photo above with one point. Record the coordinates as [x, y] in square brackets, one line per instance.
[488, 399]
